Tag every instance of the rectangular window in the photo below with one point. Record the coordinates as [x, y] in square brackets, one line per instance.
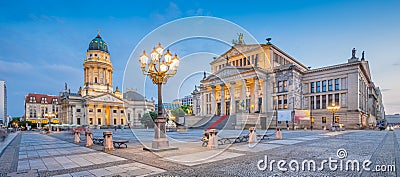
[330, 99]
[122, 121]
[115, 121]
[318, 102]
[323, 101]
[324, 86]
[280, 86]
[330, 85]
[122, 111]
[336, 99]
[78, 110]
[114, 111]
[285, 86]
[98, 110]
[91, 121]
[318, 86]
[256, 60]
[324, 120]
[78, 121]
[312, 87]
[275, 87]
[98, 121]
[312, 102]
[337, 84]
[280, 98]
[285, 101]
[275, 100]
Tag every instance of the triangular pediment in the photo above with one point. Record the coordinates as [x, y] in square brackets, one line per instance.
[237, 50]
[226, 72]
[106, 98]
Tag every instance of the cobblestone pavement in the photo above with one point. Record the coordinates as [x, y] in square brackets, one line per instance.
[43, 155]
[57, 155]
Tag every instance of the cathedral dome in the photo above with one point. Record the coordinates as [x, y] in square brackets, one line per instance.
[98, 44]
[133, 95]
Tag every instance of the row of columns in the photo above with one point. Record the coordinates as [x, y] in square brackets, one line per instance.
[254, 97]
[106, 75]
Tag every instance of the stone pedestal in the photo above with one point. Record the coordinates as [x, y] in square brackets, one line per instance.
[58, 129]
[108, 142]
[89, 138]
[252, 135]
[213, 139]
[278, 134]
[77, 137]
[160, 142]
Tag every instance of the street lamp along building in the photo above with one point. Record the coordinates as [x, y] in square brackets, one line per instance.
[250, 82]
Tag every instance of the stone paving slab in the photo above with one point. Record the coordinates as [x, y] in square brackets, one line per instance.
[129, 169]
[206, 156]
[285, 142]
[257, 148]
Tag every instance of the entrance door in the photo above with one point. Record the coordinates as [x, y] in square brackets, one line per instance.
[218, 108]
[228, 106]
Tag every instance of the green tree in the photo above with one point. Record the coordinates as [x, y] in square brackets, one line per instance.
[178, 112]
[148, 119]
[186, 108]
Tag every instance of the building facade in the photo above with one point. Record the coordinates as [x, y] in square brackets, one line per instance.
[251, 83]
[42, 108]
[136, 105]
[96, 103]
[3, 102]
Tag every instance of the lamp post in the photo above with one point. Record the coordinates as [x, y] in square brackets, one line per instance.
[159, 68]
[333, 109]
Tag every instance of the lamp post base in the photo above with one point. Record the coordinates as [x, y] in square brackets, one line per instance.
[160, 142]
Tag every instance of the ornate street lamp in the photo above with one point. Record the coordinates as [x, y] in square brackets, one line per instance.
[333, 109]
[161, 66]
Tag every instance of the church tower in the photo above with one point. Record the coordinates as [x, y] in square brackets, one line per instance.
[98, 69]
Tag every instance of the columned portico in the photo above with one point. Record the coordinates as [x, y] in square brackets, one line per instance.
[255, 100]
[223, 110]
[243, 95]
[233, 101]
[213, 103]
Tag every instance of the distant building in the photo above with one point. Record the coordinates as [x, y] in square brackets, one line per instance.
[96, 103]
[135, 106]
[42, 108]
[186, 100]
[3, 102]
[393, 119]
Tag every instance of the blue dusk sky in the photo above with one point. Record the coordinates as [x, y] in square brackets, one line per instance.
[43, 43]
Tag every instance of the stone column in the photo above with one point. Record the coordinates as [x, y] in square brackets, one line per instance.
[203, 106]
[108, 142]
[243, 94]
[265, 95]
[213, 103]
[222, 99]
[233, 102]
[255, 94]
[213, 139]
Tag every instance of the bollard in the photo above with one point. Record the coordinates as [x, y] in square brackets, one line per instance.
[213, 139]
[108, 142]
[278, 134]
[77, 137]
[58, 129]
[89, 138]
[252, 135]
